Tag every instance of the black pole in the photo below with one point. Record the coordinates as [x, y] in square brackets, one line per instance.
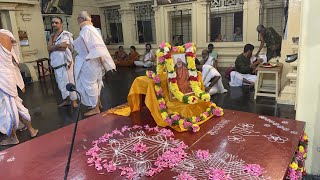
[72, 141]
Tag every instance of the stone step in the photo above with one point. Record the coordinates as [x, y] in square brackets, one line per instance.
[292, 76]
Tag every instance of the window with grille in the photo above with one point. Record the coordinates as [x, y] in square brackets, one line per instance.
[145, 22]
[272, 14]
[48, 25]
[181, 28]
[225, 20]
[113, 25]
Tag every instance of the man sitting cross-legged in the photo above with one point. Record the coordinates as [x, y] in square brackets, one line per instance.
[211, 77]
[244, 70]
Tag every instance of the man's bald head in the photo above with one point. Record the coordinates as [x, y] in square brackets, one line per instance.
[260, 28]
[205, 54]
[5, 41]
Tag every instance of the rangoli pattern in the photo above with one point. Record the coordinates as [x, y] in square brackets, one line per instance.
[215, 130]
[230, 164]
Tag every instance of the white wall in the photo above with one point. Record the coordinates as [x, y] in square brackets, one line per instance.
[308, 104]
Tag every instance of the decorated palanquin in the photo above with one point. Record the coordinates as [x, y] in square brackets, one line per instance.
[174, 94]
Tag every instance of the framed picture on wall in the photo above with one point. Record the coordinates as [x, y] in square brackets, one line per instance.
[23, 37]
[57, 7]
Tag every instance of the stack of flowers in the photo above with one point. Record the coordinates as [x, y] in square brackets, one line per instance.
[165, 62]
[175, 119]
[297, 167]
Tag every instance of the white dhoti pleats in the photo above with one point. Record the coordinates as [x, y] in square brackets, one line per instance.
[63, 77]
[10, 109]
[208, 73]
[89, 82]
[237, 78]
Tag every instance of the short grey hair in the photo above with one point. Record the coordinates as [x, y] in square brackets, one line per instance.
[260, 28]
[85, 15]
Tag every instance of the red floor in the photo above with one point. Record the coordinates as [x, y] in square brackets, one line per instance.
[45, 157]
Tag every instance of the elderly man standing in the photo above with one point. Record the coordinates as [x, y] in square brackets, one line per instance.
[60, 47]
[272, 39]
[92, 61]
[211, 77]
[11, 109]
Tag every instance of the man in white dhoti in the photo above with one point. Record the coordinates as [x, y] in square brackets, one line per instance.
[211, 77]
[244, 69]
[149, 58]
[60, 46]
[11, 109]
[92, 61]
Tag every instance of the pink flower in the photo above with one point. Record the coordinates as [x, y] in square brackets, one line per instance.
[253, 169]
[162, 45]
[147, 127]
[166, 132]
[206, 113]
[217, 174]
[185, 176]
[175, 49]
[98, 166]
[292, 174]
[162, 105]
[116, 132]
[153, 171]
[203, 154]
[176, 117]
[161, 59]
[216, 112]
[198, 119]
[171, 157]
[188, 45]
[110, 167]
[139, 148]
[125, 128]
[127, 171]
[136, 127]
[156, 79]
[159, 93]
[187, 124]
[169, 121]
[195, 128]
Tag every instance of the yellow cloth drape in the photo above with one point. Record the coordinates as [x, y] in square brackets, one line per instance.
[145, 85]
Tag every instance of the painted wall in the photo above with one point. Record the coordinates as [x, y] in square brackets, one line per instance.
[25, 16]
[293, 31]
[308, 104]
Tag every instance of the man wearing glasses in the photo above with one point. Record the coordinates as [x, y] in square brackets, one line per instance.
[60, 47]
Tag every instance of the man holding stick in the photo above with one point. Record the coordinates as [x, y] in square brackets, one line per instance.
[92, 61]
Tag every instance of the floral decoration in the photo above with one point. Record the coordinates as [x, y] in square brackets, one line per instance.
[253, 169]
[169, 159]
[217, 174]
[165, 62]
[297, 167]
[175, 119]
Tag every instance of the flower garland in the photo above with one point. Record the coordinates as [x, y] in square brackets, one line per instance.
[175, 119]
[165, 61]
[297, 167]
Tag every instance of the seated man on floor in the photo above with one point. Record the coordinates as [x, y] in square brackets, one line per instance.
[244, 70]
[133, 56]
[120, 55]
[149, 58]
[211, 77]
